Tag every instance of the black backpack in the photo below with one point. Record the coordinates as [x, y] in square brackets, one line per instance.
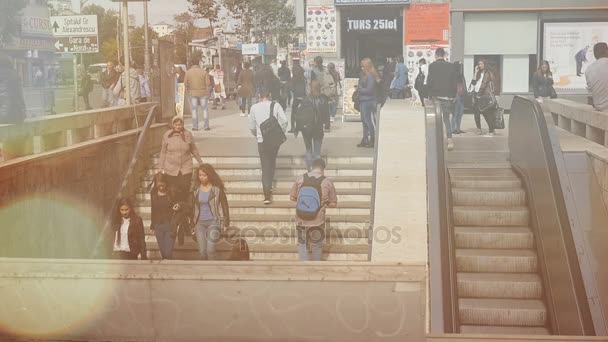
[271, 130]
[419, 83]
[355, 99]
[306, 115]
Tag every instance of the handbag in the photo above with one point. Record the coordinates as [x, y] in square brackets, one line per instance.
[487, 102]
[272, 132]
[217, 88]
[553, 94]
[499, 118]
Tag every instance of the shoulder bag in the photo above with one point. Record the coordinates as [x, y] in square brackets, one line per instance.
[487, 102]
[272, 132]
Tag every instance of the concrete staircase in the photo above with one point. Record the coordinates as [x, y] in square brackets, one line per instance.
[270, 230]
[499, 287]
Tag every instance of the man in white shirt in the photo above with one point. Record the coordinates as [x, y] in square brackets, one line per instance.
[260, 112]
[597, 77]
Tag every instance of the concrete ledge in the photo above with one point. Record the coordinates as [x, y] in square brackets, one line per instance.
[401, 186]
[211, 301]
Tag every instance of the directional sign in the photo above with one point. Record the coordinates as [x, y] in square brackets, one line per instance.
[75, 33]
[77, 44]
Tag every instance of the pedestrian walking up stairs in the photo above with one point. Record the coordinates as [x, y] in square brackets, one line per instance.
[269, 229]
[499, 288]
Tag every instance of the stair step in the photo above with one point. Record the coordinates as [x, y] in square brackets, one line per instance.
[485, 182]
[283, 243]
[253, 221]
[293, 160]
[502, 312]
[278, 208]
[494, 330]
[482, 172]
[499, 285]
[494, 237]
[255, 182]
[488, 197]
[254, 170]
[265, 256]
[490, 216]
[257, 196]
[477, 156]
[287, 232]
[496, 260]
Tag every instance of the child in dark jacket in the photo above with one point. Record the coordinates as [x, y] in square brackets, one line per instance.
[129, 237]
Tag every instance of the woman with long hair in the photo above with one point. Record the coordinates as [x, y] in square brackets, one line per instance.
[211, 211]
[542, 82]
[483, 84]
[176, 152]
[368, 102]
[129, 238]
[162, 210]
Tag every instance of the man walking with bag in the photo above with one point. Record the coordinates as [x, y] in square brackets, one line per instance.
[313, 194]
[442, 86]
[268, 124]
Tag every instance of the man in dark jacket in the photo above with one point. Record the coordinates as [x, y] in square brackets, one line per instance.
[12, 104]
[108, 80]
[441, 84]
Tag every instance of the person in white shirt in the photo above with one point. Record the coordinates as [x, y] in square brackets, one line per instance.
[597, 77]
[275, 67]
[129, 238]
[260, 112]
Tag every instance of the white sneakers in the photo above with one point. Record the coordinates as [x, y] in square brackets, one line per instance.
[450, 144]
[243, 115]
[332, 119]
[489, 135]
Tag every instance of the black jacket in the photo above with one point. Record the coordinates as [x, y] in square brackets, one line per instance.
[442, 79]
[136, 234]
[542, 85]
[12, 103]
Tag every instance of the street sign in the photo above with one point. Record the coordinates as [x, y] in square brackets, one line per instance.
[74, 25]
[77, 44]
[75, 33]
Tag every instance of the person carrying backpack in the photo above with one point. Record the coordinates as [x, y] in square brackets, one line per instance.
[323, 85]
[268, 124]
[313, 194]
[309, 120]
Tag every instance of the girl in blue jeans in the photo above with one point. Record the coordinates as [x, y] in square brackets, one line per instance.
[368, 99]
[162, 204]
[211, 210]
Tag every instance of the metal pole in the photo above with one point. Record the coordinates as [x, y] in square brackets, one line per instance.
[147, 41]
[75, 62]
[219, 50]
[118, 19]
[125, 38]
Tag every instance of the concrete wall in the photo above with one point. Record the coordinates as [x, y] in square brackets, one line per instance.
[203, 301]
[53, 204]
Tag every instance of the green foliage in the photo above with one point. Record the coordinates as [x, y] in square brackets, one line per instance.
[107, 21]
[138, 44]
[10, 23]
[206, 9]
[264, 19]
[184, 33]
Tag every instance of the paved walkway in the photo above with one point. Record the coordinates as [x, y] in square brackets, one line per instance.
[230, 136]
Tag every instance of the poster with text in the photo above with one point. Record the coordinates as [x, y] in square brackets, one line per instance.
[568, 47]
[414, 53]
[321, 29]
[349, 111]
[427, 24]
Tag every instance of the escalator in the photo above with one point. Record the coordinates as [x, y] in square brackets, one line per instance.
[503, 260]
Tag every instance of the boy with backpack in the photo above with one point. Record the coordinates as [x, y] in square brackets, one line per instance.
[313, 194]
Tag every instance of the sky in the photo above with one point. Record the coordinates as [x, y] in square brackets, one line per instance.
[158, 10]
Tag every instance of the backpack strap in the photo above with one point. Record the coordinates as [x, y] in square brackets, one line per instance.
[272, 109]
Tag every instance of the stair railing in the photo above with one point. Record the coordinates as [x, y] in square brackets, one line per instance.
[442, 252]
[127, 179]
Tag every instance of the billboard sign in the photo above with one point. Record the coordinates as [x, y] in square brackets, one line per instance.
[75, 33]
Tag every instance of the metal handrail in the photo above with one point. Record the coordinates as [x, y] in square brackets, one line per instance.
[533, 154]
[442, 250]
[137, 154]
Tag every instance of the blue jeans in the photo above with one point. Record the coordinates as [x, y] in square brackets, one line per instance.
[313, 149]
[445, 108]
[458, 113]
[315, 236]
[165, 240]
[333, 108]
[207, 235]
[195, 102]
[368, 118]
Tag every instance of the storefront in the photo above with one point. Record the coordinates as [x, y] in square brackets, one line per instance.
[515, 40]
